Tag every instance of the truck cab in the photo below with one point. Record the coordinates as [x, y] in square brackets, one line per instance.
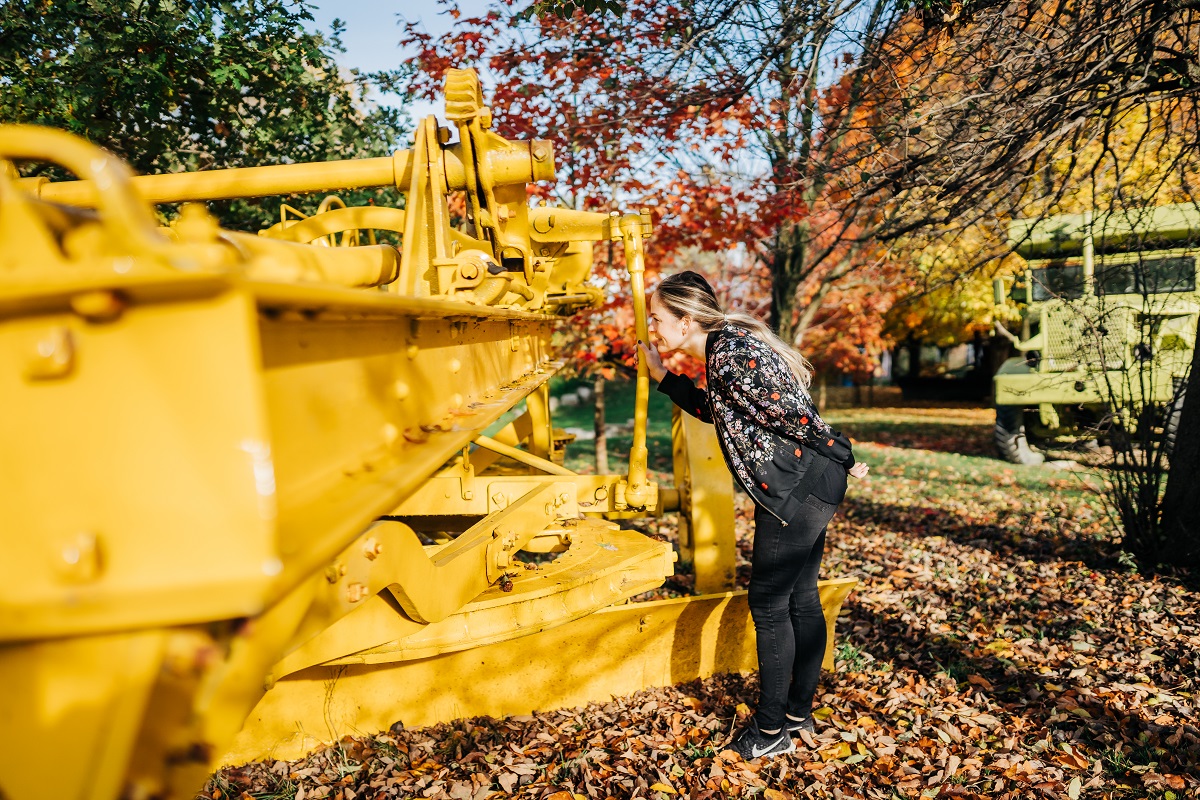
[1108, 310]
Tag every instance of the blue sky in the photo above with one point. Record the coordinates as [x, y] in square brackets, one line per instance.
[373, 30]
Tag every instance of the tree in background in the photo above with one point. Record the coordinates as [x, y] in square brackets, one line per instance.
[174, 85]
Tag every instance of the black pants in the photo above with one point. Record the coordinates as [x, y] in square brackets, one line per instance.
[785, 606]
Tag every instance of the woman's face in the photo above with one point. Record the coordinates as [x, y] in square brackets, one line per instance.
[666, 330]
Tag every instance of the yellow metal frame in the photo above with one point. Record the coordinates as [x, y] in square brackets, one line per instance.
[616, 651]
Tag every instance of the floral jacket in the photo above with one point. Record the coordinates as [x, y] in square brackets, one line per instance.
[774, 442]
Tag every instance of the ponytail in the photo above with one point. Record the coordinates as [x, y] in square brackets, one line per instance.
[688, 294]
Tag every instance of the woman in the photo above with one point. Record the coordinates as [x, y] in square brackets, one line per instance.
[790, 462]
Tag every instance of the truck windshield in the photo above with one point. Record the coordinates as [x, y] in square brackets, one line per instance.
[1149, 276]
[1058, 280]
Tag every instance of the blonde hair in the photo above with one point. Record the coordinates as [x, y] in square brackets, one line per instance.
[688, 294]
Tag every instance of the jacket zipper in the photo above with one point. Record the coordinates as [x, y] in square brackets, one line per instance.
[721, 443]
[733, 472]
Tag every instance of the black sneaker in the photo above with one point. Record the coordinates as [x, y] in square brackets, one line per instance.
[806, 724]
[751, 743]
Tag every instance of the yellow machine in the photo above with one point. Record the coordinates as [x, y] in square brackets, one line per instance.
[249, 502]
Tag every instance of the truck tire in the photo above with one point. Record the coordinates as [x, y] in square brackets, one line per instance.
[1011, 444]
[1172, 422]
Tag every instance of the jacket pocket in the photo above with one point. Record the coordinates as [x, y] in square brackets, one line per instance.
[787, 466]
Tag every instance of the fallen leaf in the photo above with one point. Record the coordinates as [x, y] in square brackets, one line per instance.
[979, 680]
[839, 751]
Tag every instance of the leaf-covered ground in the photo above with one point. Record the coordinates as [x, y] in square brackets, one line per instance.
[998, 645]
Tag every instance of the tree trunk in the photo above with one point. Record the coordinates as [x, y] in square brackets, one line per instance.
[787, 268]
[1181, 502]
[599, 427]
[808, 314]
[914, 358]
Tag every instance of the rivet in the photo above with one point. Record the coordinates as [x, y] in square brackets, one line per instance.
[390, 434]
[455, 365]
[401, 389]
[80, 558]
[53, 355]
[412, 350]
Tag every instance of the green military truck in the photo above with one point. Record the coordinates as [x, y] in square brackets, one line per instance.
[1108, 321]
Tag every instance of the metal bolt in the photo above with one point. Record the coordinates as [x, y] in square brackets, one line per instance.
[334, 572]
[371, 549]
[356, 592]
[98, 306]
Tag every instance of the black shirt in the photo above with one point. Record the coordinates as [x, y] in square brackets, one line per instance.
[831, 486]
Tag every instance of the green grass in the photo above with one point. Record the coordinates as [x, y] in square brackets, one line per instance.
[619, 397]
[931, 452]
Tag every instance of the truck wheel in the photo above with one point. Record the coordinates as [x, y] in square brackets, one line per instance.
[1172, 422]
[1011, 443]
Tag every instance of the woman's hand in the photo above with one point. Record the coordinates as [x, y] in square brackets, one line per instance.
[859, 470]
[654, 362]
